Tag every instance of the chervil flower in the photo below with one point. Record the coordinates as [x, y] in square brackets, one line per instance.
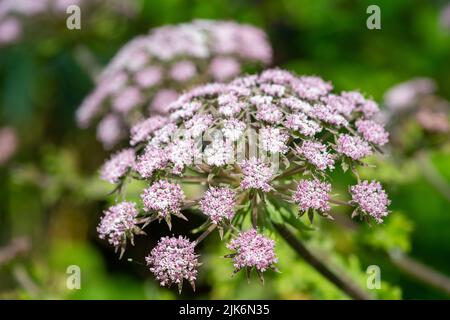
[224, 68]
[218, 204]
[257, 175]
[372, 131]
[119, 223]
[109, 131]
[253, 250]
[153, 69]
[371, 199]
[164, 198]
[116, 167]
[183, 71]
[269, 113]
[198, 124]
[312, 194]
[182, 153]
[212, 137]
[142, 131]
[300, 122]
[172, 261]
[127, 99]
[233, 129]
[154, 158]
[273, 140]
[353, 146]
[218, 153]
[316, 153]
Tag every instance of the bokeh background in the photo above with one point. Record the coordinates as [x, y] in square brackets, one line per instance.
[51, 198]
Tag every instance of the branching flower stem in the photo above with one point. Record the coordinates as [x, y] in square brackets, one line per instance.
[341, 282]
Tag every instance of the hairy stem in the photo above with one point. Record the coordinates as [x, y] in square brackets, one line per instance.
[341, 282]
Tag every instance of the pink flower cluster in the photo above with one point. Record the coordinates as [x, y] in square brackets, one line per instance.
[256, 175]
[118, 223]
[316, 153]
[371, 199]
[173, 260]
[218, 204]
[297, 121]
[148, 73]
[163, 197]
[119, 164]
[253, 250]
[312, 194]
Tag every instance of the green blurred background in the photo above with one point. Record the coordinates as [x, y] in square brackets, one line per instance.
[51, 198]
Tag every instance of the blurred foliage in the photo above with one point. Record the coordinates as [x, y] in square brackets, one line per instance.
[50, 192]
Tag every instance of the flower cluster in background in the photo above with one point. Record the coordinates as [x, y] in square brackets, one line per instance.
[414, 109]
[20, 19]
[150, 71]
[14, 13]
[260, 140]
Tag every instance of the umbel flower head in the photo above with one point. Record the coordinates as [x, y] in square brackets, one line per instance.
[257, 144]
[253, 250]
[118, 224]
[172, 261]
[151, 70]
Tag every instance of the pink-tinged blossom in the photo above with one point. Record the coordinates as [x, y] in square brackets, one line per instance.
[154, 158]
[186, 111]
[311, 87]
[273, 140]
[257, 175]
[182, 153]
[269, 113]
[118, 223]
[369, 109]
[110, 131]
[164, 198]
[162, 100]
[148, 77]
[8, 144]
[198, 124]
[371, 199]
[253, 250]
[354, 97]
[261, 100]
[277, 76]
[341, 104]
[433, 120]
[300, 122]
[297, 105]
[224, 68]
[117, 166]
[445, 17]
[274, 90]
[164, 134]
[183, 71]
[405, 95]
[372, 131]
[143, 130]
[127, 99]
[218, 153]
[233, 129]
[329, 114]
[353, 147]
[173, 260]
[316, 153]
[10, 30]
[218, 204]
[313, 194]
